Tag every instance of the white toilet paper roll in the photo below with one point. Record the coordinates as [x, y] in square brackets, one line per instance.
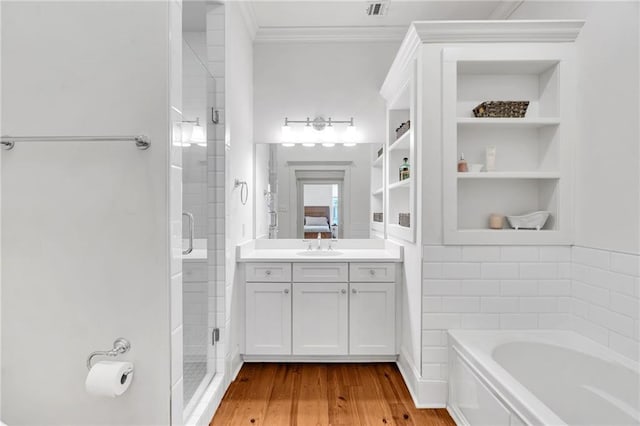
[109, 378]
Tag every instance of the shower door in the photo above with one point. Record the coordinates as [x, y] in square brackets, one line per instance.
[198, 296]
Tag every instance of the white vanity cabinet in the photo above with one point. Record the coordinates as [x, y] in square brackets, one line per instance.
[337, 309]
[320, 318]
[372, 309]
[268, 309]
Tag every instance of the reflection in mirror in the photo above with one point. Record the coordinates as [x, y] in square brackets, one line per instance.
[320, 203]
[305, 191]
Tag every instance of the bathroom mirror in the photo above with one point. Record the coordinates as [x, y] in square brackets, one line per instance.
[303, 191]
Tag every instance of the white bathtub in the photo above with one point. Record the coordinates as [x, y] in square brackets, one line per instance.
[539, 377]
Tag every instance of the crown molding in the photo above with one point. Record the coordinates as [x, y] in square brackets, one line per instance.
[330, 34]
[505, 9]
[533, 31]
[249, 16]
[397, 76]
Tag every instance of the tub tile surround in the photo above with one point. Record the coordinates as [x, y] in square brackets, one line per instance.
[593, 292]
[490, 287]
[606, 298]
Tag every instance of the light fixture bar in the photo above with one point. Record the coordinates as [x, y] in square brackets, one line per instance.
[308, 121]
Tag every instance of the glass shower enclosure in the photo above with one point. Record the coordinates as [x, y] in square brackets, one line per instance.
[198, 295]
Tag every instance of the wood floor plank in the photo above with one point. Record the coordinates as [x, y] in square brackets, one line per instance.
[400, 407]
[272, 394]
[251, 405]
[285, 388]
[312, 406]
[372, 408]
[341, 403]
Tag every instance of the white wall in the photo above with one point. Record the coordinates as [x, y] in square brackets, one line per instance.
[341, 80]
[607, 155]
[85, 225]
[239, 162]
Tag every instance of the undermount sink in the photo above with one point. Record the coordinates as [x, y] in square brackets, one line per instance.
[319, 253]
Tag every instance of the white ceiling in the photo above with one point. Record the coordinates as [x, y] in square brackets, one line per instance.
[343, 20]
[351, 13]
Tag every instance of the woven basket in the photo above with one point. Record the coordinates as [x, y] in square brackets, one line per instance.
[377, 217]
[502, 109]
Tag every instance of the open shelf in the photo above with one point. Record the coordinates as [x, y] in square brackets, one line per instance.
[509, 175]
[531, 161]
[377, 226]
[535, 122]
[401, 184]
[402, 143]
[377, 186]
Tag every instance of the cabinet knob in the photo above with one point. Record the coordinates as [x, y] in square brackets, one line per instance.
[372, 272]
[286, 291]
[354, 291]
[343, 291]
[267, 272]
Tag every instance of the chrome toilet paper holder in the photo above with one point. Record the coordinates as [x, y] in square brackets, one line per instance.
[120, 346]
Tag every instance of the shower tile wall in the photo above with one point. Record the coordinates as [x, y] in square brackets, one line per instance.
[194, 106]
[194, 184]
[606, 298]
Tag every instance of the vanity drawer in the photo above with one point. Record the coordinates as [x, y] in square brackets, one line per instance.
[268, 272]
[320, 272]
[372, 272]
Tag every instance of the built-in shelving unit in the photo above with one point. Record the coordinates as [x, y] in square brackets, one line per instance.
[377, 192]
[533, 164]
[401, 193]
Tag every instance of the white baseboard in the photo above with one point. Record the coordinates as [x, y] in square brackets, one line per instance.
[457, 416]
[320, 358]
[425, 393]
[236, 365]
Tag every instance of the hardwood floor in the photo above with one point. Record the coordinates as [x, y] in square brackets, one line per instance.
[322, 394]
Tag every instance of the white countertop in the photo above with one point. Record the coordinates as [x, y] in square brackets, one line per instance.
[297, 251]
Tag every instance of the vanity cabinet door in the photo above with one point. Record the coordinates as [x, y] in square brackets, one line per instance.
[320, 318]
[372, 319]
[268, 318]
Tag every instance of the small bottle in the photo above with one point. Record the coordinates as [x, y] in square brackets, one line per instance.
[491, 158]
[404, 169]
[462, 164]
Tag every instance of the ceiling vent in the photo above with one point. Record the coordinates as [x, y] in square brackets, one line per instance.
[377, 8]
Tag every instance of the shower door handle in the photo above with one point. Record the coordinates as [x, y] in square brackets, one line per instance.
[191, 232]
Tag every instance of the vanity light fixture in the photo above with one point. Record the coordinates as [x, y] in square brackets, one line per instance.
[319, 130]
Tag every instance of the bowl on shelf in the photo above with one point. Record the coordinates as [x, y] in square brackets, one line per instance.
[535, 220]
[475, 168]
